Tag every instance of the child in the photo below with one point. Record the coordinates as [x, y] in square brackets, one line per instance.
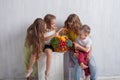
[71, 27]
[50, 33]
[82, 46]
[71, 30]
[34, 44]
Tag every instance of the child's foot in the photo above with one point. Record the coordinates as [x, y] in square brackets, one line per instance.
[29, 73]
[29, 78]
[83, 66]
[46, 75]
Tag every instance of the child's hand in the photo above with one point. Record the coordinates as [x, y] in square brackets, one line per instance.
[76, 55]
[75, 44]
[88, 57]
[56, 34]
[76, 50]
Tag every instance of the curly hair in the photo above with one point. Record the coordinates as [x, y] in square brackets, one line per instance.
[73, 22]
[35, 36]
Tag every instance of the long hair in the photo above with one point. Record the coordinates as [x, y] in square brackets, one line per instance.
[48, 18]
[35, 36]
[73, 22]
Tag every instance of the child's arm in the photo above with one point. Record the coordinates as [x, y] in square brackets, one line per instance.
[62, 29]
[89, 54]
[86, 49]
[90, 51]
[56, 34]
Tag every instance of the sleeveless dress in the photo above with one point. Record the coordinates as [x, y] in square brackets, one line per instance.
[47, 43]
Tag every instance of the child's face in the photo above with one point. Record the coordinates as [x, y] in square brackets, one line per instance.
[83, 35]
[53, 21]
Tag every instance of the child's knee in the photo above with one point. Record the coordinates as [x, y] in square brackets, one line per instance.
[48, 52]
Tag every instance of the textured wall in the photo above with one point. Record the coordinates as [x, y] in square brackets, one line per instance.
[102, 15]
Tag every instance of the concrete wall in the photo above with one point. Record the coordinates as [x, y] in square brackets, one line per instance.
[102, 15]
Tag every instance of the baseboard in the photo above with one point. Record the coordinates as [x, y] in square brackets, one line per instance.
[109, 78]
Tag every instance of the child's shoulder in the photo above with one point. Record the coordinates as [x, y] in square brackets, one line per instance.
[89, 40]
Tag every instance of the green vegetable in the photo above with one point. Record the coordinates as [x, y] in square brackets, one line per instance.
[69, 43]
[54, 42]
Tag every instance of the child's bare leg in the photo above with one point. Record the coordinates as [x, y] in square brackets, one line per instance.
[48, 62]
[86, 77]
[83, 66]
[31, 63]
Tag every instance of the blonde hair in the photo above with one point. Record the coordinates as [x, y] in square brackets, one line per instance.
[48, 18]
[35, 36]
[86, 29]
[74, 20]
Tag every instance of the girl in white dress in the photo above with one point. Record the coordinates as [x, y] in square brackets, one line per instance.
[50, 33]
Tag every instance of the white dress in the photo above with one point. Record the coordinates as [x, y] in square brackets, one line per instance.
[56, 71]
[47, 34]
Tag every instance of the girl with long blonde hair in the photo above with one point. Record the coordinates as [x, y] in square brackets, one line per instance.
[34, 44]
[71, 29]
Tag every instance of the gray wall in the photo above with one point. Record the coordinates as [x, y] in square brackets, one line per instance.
[102, 15]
